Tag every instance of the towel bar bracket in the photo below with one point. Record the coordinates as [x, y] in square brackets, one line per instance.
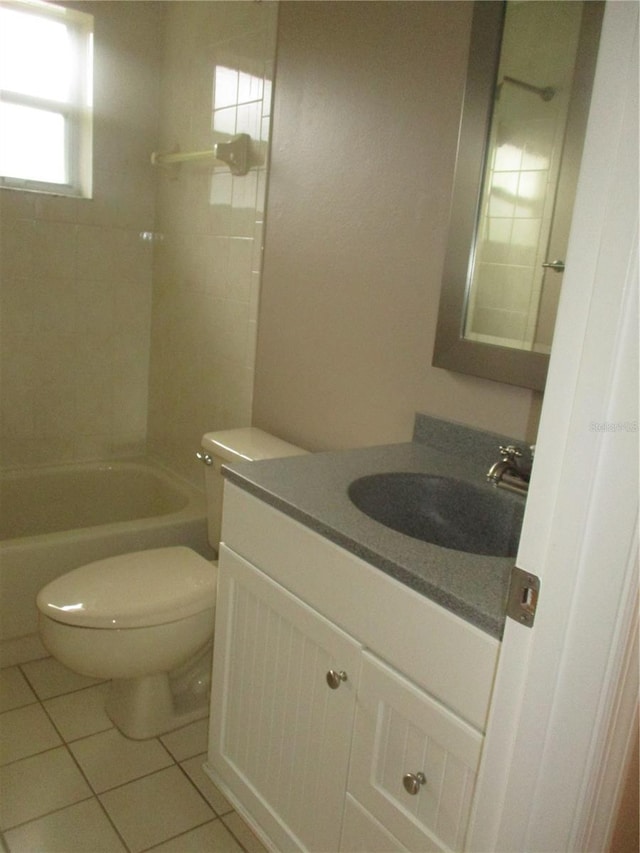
[235, 153]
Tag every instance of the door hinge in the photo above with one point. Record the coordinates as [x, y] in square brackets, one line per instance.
[524, 589]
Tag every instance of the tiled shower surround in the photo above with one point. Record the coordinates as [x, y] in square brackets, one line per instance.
[209, 223]
[129, 320]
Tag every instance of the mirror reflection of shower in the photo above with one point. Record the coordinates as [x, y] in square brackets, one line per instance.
[512, 298]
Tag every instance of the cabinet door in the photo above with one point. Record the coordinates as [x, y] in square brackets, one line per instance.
[362, 833]
[280, 735]
[401, 730]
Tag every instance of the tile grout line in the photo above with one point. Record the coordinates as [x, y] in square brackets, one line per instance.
[64, 743]
[94, 795]
[186, 832]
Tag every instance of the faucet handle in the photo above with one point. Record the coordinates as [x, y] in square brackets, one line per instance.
[510, 452]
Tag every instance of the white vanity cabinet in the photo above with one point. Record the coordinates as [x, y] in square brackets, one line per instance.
[347, 710]
[280, 734]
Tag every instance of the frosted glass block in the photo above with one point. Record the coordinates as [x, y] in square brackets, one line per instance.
[32, 144]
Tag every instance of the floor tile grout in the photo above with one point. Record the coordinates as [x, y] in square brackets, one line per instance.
[94, 795]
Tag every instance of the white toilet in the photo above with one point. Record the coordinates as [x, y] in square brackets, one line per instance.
[146, 619]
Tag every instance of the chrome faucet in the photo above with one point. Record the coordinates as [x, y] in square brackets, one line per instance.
[512, 471]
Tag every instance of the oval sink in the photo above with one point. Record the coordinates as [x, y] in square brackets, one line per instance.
[443, 511]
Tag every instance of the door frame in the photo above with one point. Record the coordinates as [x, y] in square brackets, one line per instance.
[566, 693]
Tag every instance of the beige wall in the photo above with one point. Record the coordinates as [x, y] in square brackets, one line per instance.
[217, 72]
[75, 279]
[366, 111]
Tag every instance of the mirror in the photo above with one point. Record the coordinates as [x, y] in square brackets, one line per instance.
[524, 114]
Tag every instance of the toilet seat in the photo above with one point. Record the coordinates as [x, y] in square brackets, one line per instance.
[133, 590]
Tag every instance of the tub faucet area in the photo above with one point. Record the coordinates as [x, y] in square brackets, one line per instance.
[512, 471]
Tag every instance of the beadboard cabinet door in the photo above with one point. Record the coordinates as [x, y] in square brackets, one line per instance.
[413, 762]
[280, 734]
[362, 833]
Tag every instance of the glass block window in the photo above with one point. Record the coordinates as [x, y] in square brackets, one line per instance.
[45, 97]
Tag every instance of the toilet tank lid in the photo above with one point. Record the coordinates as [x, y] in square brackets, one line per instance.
[133, 590]
[248, 444]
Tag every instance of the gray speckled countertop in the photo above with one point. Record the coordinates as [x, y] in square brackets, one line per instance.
[313, 490]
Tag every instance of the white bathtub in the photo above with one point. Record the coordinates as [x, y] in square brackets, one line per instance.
[55, 519]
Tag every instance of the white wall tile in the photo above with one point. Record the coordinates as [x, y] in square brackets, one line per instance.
[72, 258]
[204, 268]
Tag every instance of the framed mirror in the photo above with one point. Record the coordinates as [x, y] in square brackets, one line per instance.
[527, 93]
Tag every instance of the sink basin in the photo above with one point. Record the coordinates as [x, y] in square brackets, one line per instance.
[443, 511]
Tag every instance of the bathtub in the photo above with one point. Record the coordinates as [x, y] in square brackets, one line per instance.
[55, 519]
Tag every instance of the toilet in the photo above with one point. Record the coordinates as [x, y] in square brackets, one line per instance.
[145, 619]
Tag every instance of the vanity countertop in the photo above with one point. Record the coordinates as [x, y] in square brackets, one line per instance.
[312, 489]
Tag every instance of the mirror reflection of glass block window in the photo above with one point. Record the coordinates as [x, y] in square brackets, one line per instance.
[45, 98]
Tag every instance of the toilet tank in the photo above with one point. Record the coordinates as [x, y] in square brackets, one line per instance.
[235, 445]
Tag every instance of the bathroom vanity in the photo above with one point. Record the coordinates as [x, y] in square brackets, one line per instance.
[353, 665]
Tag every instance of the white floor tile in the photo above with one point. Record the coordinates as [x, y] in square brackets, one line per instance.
[212, 794]
[155, 809]
[188, 741]
[109, 758]
[213, 837]
[50, 678]
[81, 713]
[77, 829]
[14, 690]
[25, 731]
[245, 836]
[38, 785]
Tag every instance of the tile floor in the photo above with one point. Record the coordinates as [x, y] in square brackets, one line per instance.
[71, 783]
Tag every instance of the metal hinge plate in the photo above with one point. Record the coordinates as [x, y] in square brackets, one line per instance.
[524, 589]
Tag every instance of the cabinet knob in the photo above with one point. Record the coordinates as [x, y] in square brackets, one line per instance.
[413, 781]
[335, 678]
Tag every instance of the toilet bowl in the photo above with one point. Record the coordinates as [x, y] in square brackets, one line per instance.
[135, 619]
[145, 620]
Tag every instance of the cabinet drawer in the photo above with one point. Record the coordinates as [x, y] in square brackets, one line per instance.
[399, 729]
